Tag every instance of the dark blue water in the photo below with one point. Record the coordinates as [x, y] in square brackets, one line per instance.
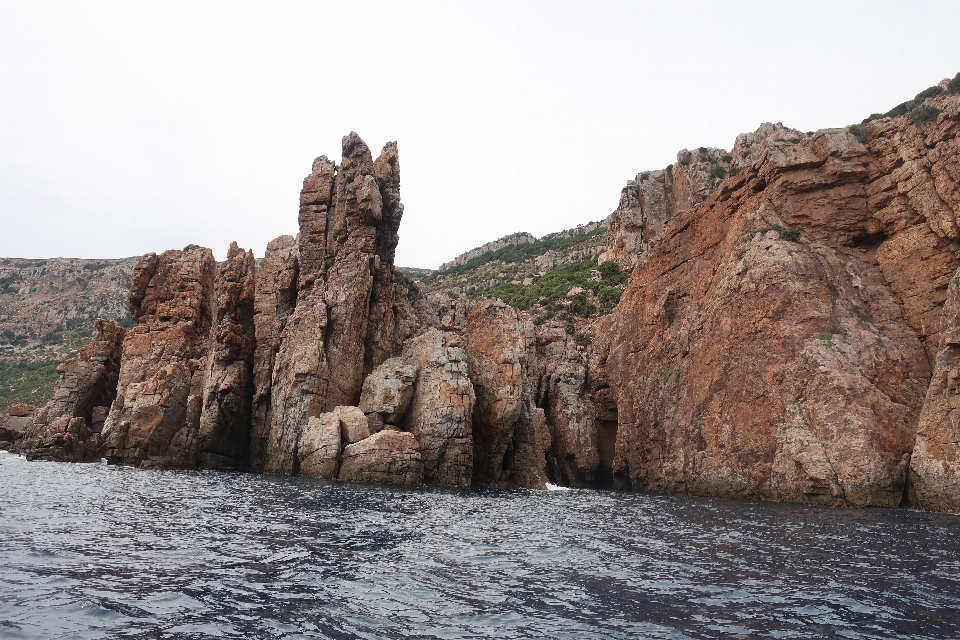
[91, 551]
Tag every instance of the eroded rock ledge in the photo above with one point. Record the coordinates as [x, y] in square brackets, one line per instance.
[789, 332]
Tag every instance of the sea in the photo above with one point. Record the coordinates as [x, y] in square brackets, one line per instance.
[98, 551]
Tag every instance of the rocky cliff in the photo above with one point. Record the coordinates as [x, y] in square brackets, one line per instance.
[777, 340]
[787, 333]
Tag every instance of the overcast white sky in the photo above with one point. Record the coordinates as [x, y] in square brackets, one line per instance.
[128, 127]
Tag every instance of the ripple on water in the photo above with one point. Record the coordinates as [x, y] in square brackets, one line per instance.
[94, 551]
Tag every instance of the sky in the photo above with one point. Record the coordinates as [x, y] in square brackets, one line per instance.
[136, 126]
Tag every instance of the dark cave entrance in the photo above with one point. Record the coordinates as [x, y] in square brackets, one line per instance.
[606, 447]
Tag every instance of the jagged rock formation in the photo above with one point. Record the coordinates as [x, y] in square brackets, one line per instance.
[185, 381]
[442, 407]
[495, 346]
[775, 339]
[653, 197]
[560, 370]
[343, 320]
[274, 300]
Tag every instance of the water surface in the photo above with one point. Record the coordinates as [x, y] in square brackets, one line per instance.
[93, 551]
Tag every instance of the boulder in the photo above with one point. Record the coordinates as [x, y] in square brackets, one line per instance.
[353, 424]
[389, 456]
[389, 390]
[319, 448]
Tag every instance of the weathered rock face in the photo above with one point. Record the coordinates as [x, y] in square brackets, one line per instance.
[189, 355]
[648, 201]
[343, 323]
[389, 456]
[156, 415]
[88, 381]
[563, 394]
[935, 465]
[775, 342]
[389, 390]
[224, 433]
[442, 407]
[68, 427]
[274, 301]
[495, 346]
[318, 450]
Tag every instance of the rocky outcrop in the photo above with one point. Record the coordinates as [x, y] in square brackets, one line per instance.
[274, 300]
[511, 240]
[442, 407]
[224, 431]
[562, 392]
[935, 465]
[68, 427]
[343, 323]
[185, 379]
[495, 346]
[653, 197]
[775, 342]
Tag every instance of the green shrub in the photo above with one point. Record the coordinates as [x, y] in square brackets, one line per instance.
[859, 132]
[911, 106]
[544, 290]
[570, 328]
[609, 295]
[519, 253]
[954, 85]
[924, 113]
[645, 175]
[581, 306]
[582, 339]
[126, 322]
[718, 172]
[929, 92]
